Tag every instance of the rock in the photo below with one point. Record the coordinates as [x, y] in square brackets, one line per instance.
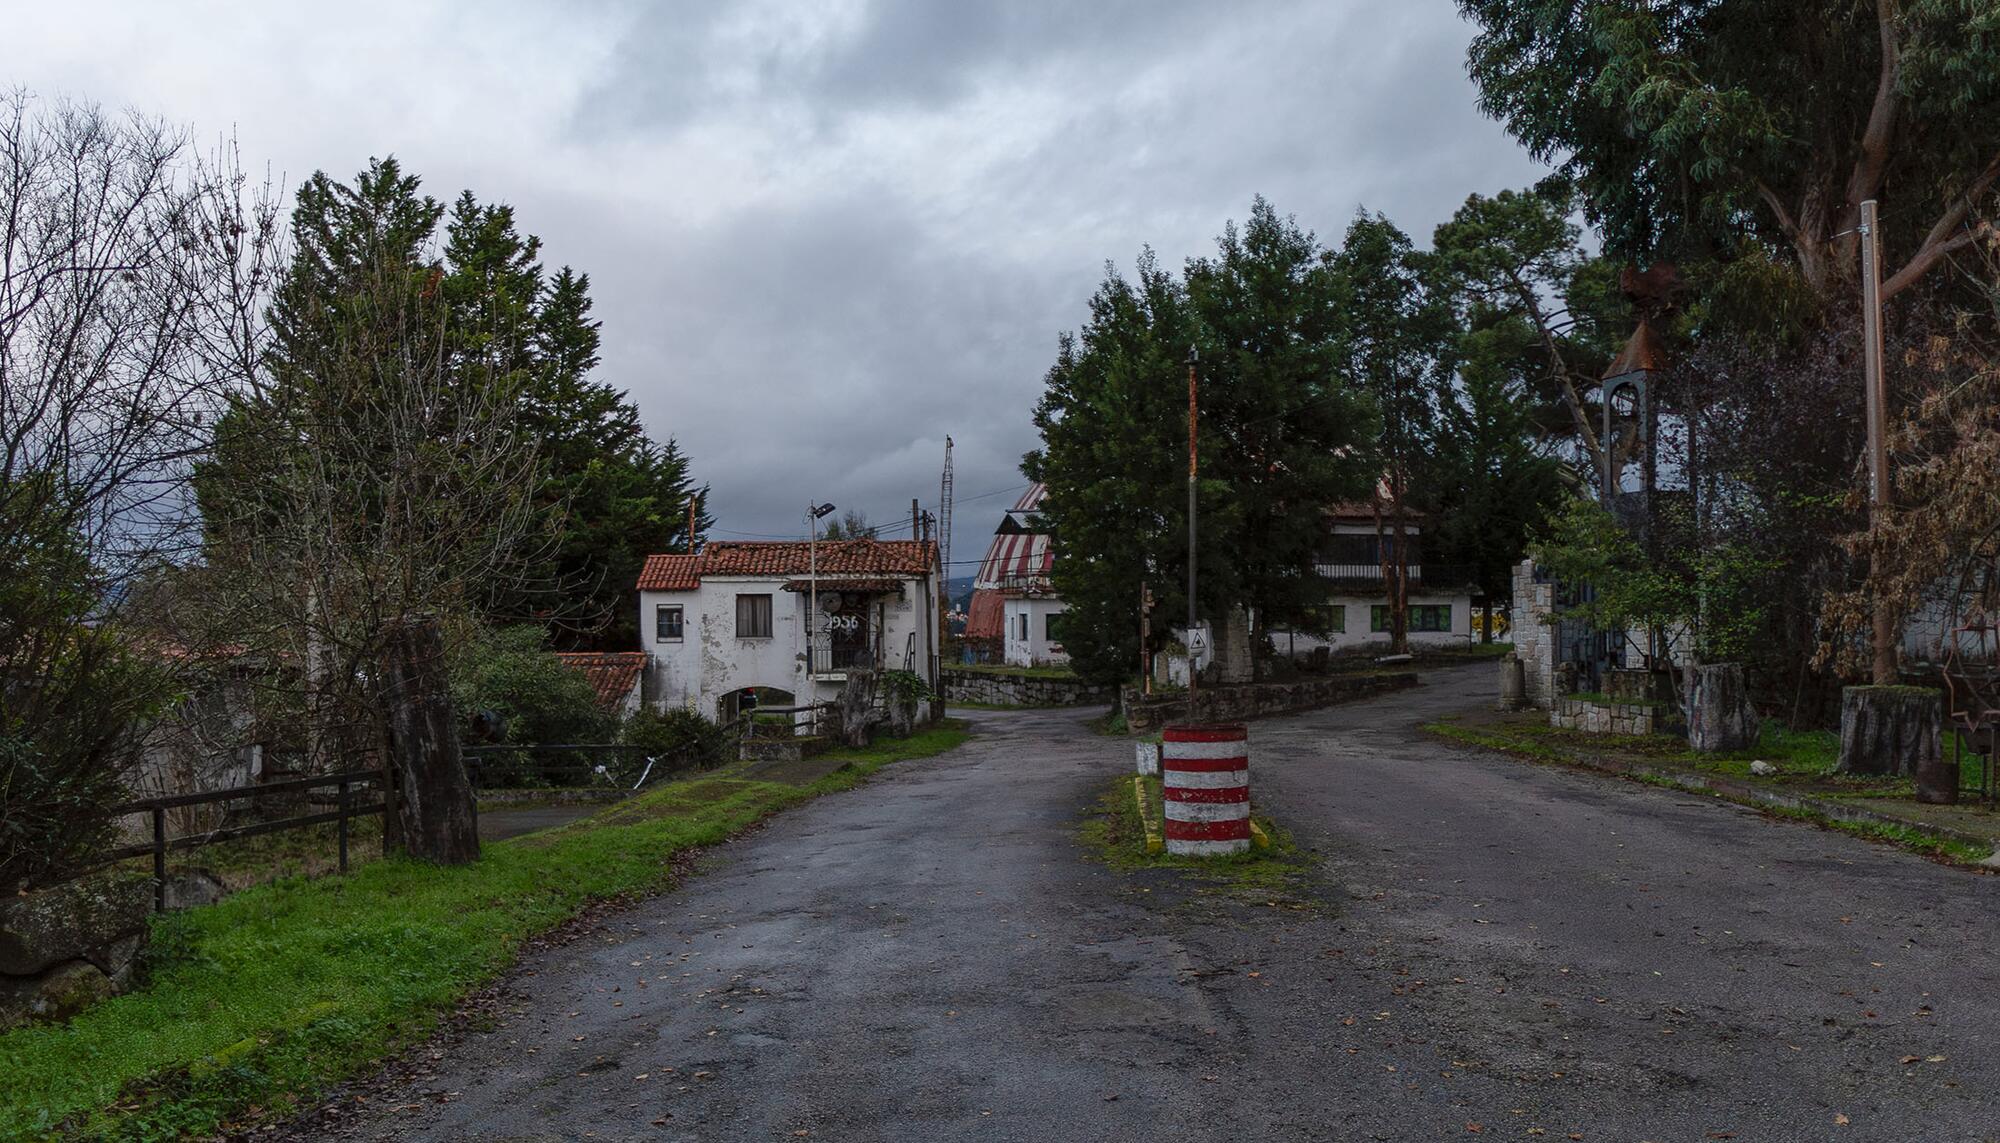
[1763, 769]
[1149, 757]
[1992, 862]
[1719, 715]
[58, 994]
[194, 888]
[1893, 730]
[119, 959]
[65, 921]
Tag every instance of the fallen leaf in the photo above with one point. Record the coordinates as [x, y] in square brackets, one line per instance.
[1840, 1120]
[1909, 1059]
[1475, 1128]
[1934, 1059]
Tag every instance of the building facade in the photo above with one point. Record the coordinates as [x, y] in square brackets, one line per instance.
[734, 627]
[1355, 563]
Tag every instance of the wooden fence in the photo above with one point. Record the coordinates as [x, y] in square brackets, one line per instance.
[345, 785]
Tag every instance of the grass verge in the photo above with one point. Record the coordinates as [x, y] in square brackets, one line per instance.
[1804, 762]
[260, 1002]
[1115, 833]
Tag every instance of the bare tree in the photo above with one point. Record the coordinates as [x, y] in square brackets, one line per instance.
[131, 269]
[361, 483]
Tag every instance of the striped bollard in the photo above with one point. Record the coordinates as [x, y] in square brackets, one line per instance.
[1205, 773]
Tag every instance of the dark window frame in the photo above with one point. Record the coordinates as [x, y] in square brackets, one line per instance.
[660, 612]
[759, 615]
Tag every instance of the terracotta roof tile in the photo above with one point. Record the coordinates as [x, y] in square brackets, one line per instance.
[614, 675]
[850, 558]
[670, 573]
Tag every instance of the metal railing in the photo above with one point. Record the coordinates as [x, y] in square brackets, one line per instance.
[572, 764]
[345, 785]
[1434, 575]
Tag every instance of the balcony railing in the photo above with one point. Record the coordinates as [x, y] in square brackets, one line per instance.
[1371, 575]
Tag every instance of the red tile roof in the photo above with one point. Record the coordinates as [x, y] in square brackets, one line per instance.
[614, 675]
[670, 573]
[788, 558]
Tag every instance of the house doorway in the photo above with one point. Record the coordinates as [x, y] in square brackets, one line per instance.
[849, 634]
[746, 702]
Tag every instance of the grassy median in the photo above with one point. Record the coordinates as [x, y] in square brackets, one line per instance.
[259, 1003]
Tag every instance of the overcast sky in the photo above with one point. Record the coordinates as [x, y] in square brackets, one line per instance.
[822, 234]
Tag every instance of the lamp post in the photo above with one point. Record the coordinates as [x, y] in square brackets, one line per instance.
[814, 514]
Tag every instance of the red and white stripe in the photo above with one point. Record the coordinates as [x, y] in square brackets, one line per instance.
[1205, 774]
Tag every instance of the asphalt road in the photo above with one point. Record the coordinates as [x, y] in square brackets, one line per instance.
[1496, 950]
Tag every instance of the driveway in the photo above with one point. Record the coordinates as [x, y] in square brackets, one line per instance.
[1496, 950]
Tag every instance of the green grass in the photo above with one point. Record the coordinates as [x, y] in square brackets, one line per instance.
[1802, 757]
[260, 1002]
[1115, 834]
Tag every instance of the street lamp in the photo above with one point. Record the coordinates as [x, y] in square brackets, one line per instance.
[814, 514]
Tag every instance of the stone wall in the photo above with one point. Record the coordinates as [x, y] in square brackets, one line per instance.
[1534, 636]
[1235, 704]
[1593, 716]
[65, 948]
[993, 688]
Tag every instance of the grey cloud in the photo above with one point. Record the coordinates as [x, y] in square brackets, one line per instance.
[824, 235]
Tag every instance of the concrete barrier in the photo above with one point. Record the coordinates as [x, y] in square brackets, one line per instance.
[1205, 773]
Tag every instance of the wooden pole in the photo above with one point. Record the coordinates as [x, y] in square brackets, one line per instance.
[1884, 640]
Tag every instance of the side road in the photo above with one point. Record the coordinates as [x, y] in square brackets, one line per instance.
[1496, 949]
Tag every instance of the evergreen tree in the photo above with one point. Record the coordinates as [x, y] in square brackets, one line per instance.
[1393, 337]
[1281, 436]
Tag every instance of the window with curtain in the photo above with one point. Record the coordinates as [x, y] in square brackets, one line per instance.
[753, 617]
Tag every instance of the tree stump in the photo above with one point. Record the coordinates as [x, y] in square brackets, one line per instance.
[1720, 717]
[1891, 730]
[434, 802]
[859, 716]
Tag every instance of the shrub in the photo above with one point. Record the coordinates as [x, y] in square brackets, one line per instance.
[681, 732]
[539, 699]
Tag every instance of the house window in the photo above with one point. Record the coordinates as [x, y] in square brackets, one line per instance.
[1423, 617]
[753, 617]
[1024, 625]
[1050, 627]
[1336, 619]
[1431, 617]
[667, 623]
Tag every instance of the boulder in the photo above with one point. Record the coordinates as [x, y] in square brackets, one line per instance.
[194, 888]
[1719, 715]
[58, 994]
[1892, 730]
[68, 920]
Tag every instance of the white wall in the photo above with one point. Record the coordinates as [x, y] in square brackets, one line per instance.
[1356, 609]
[709, 661]
[1033, 649]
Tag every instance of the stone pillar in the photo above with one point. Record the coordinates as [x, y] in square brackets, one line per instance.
[1232, 648]
[1892, 730]
[1719, 715]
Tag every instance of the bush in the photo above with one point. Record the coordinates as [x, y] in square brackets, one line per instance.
[681, 732]
[538, 698]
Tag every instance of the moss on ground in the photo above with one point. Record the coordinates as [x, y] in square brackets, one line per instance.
[258, 1004]
[1114, 833]
[1804, 760]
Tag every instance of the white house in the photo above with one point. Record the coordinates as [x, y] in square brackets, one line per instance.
[1033, 634]
[1012, 600]
[727, 629]
[1351, 564]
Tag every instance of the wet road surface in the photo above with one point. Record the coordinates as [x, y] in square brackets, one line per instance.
[1495, 950]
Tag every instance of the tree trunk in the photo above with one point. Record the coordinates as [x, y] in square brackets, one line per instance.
[1891, 730]
[1719, 715]
[434, 803]
[858, 713]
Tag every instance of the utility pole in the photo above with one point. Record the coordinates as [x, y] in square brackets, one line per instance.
[1884, 642]
[692, 544]
[1193, 360]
